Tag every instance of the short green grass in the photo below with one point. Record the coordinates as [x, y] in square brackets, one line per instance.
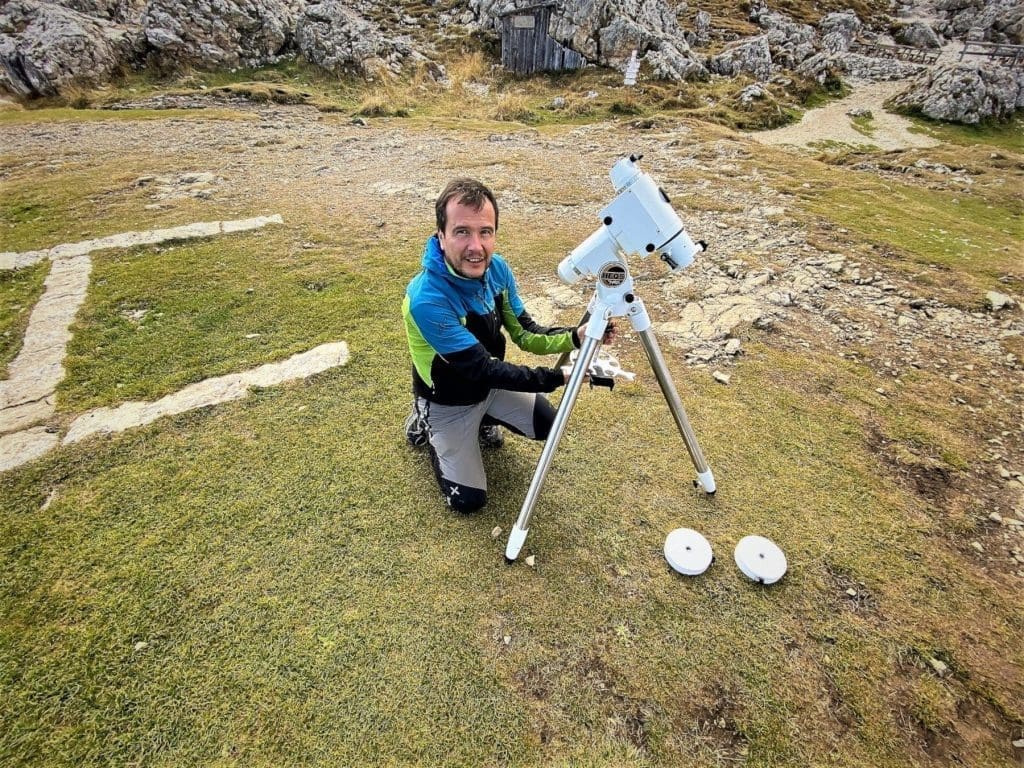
[19, 291]
[276, 581]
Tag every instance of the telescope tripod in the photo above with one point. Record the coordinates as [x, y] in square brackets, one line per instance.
[613, 297]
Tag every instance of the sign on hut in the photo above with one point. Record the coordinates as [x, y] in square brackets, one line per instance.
[526, 46]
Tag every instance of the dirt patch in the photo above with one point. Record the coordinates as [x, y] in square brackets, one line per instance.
[833, 124]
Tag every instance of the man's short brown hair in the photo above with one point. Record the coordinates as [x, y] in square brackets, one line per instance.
[468, 192]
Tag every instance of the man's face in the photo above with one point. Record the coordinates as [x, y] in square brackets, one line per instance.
[469, 238]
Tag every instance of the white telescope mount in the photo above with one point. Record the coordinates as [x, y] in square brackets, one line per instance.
[636, 215]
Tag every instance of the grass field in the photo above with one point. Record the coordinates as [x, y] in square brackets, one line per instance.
[277, 582]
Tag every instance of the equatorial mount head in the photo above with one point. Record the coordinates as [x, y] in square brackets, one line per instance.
[640, 220]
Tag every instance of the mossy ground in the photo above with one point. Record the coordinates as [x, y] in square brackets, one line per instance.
[276, 581]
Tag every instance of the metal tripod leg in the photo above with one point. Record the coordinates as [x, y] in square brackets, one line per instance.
[668, 388]
[572, 390]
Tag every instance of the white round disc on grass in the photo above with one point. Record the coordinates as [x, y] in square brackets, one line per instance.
[688, 552]
[760, 559]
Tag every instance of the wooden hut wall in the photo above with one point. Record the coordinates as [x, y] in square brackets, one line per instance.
[527, 49]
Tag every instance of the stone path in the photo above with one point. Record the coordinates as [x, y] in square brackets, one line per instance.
[27, 396]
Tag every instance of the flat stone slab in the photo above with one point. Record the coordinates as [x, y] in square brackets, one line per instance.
[21, 447]
[19, 417]
[220, 389]
[12, 260]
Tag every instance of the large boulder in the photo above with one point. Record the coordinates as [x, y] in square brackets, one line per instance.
[839, 30]
[46, 48]
[750, 56]
[917, 34]
[336, 38]
[965, 93]
[218, 33]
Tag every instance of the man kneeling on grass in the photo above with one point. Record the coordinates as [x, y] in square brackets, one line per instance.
[455, 310]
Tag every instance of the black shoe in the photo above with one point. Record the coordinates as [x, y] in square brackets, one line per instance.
[416, 430]
[490, 436]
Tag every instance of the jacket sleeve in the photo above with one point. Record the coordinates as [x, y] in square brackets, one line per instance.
[526, 333]
[441, 328]
[477, 366]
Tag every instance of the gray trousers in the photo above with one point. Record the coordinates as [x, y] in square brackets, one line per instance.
[455, 450]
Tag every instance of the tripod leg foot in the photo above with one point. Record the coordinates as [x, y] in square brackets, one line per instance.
[516, 539]
[706, 480]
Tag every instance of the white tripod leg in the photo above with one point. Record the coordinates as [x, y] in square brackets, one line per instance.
[579, 371]
[668, 388]
[642, 325]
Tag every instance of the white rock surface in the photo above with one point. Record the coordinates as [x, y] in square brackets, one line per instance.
[220, 389]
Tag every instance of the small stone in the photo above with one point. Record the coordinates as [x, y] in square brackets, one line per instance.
[507, 639]
[732, 347]
[252, 335]
[531, 561]
[250, 290]
[1019, 744]
[359, 121]
[851, 592]
[940, 667]
[977, 546]
[997, 301]
[141, 645]
[995, 517]
[496, 532]
[721, 378]
[1004, 472]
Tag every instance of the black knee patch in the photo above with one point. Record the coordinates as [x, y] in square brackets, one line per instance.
[463, 498]
[543, 417]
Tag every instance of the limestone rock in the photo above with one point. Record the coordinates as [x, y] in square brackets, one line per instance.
[218, 33]
[751, 56]
[789, 43]
[965, 93]
[336, 38]
[45, 48]
[701, 34]
[996, 21]
[839, 30]
[917, 34]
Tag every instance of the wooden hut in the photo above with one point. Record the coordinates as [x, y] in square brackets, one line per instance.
[526, 46]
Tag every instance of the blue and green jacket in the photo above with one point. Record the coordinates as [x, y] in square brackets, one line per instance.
[454, 328]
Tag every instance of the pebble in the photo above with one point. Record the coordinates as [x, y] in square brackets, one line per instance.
[496, 532]
[940, 667]
[507, 639]
[977, 546]
[531, 561]
[721, 378]
[141, 645]
[1019, 743]
[995, 517]
[851, 592]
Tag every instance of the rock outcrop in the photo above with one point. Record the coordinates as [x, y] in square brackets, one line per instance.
[995, 21]
[218, 33]
[917, 34]
[45, 48]
[965, 93]
[336, 38]
[751, 56]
